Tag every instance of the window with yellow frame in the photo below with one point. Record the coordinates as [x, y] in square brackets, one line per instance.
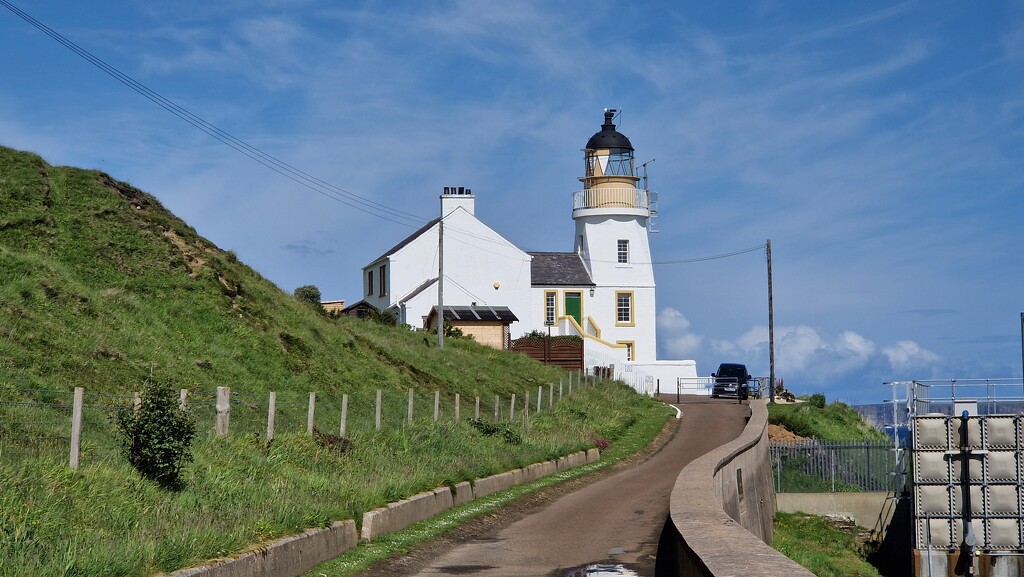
[624, 309]
[630, 349]
[550, 307]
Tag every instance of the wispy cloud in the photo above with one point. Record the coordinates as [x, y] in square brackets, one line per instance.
[307, 248]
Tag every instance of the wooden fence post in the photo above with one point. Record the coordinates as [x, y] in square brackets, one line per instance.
[476, 413]
[457, 407]
[559, 388]
[540, 396]
[437, 405]
[344, 415]
[223, 411]
[551, 395]
[137, 402]
[512, 408]
[271, 414]
[183, 399]
[377, 421]
[497, 407]
[76, 427]
[310, 413]
[412, 402]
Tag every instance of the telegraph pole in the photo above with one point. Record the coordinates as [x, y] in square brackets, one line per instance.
[440, 279]
[771, 327]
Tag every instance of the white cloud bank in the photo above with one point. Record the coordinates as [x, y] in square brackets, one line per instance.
[809, 359]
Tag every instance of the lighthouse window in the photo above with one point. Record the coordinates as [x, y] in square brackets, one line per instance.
[620, 162]
[623, 251]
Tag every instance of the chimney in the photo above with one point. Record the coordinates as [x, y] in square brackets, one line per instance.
[455, 196]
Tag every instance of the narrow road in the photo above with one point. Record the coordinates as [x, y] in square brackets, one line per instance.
[615, 519]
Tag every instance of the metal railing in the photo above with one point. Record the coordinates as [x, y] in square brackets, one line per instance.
[919, 397]
[694, 385]
[834, 466]
[611, 198]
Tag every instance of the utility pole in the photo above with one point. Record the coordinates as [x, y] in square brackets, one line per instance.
[440, 279]
[771, 328]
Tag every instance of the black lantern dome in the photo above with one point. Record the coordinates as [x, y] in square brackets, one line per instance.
[608, 137]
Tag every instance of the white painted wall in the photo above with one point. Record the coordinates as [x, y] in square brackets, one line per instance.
[475, 258]
[601, 233]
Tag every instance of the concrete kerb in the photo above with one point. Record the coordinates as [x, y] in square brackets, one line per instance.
[292, 555]
[296, 554]
[401, 514]
[463, 493]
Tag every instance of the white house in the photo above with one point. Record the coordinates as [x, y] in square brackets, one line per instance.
[481, 268]
[603, 291]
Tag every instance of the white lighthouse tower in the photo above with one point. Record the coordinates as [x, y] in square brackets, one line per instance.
[612, 218]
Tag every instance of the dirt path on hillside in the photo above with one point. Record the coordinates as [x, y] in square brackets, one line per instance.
[614, 516]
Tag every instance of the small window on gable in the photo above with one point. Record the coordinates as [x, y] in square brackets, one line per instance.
[369, 283]
[623, 251]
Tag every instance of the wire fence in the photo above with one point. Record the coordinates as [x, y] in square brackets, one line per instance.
[38, 424]
[834, 466]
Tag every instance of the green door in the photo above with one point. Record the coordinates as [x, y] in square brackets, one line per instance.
[574, 306]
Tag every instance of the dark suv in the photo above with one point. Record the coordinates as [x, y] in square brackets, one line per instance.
[731, 381]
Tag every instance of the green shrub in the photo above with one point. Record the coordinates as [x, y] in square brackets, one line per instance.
[157, 437]
[817, 400]
[310, 294]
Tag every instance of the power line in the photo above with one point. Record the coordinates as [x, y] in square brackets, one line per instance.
[714, 257]
[298, 176]
[279, 166]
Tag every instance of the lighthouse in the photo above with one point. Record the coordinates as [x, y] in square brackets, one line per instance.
[613, 216]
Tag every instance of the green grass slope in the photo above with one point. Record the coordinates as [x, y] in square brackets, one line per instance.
[101, 287]
[832, 422]
[100, 272]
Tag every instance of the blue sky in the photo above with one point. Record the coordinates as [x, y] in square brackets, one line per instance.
[879, 146]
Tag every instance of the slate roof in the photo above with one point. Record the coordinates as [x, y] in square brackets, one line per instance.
[407, 240]
[423, 286]
[558, 268]
[478, 313]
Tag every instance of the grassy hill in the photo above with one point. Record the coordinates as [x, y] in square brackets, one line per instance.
[100, 272]
[103, 288]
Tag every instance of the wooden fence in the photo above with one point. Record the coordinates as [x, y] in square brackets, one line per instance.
[565, 352]
[28, 427]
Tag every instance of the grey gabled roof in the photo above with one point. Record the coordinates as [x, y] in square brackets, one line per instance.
[558, 268]
[407, 240]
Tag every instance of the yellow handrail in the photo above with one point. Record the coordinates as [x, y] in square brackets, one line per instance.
[586, 335]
